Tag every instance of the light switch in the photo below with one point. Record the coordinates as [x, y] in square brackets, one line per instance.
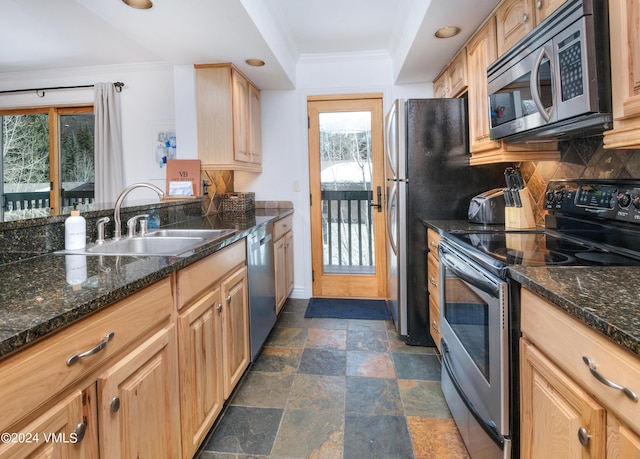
[296, 185]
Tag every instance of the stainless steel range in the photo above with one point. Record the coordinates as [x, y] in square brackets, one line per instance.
[590, 223]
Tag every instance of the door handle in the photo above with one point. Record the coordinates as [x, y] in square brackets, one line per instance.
[378, 205]
[533, 84]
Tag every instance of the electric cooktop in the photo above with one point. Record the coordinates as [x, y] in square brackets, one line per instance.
[541, 249]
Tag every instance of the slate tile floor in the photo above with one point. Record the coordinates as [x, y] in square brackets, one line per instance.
[334, 388]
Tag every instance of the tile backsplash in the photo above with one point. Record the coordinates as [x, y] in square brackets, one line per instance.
[579, 158]
[216, 183]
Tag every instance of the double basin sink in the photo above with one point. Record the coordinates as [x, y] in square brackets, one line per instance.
[162, 242]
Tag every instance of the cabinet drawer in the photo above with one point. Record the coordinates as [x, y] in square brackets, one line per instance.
[565, 340]
[282, 226]
[433, 239]
[433, 277]
[198, 277]
[41, 370]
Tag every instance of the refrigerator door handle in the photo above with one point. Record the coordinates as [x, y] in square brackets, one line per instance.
[390, 198]
[379, 195]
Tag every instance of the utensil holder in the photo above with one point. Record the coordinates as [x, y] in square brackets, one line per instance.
[521, 217]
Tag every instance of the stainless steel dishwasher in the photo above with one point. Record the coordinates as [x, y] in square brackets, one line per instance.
[262, 286]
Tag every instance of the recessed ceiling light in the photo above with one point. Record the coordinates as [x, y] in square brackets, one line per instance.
[447, 32]
[138, 4]
[255, 62]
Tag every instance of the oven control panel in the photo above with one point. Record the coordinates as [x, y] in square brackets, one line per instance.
[609, 199]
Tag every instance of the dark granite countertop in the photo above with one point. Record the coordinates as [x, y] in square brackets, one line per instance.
[604, 298]
[36, 299]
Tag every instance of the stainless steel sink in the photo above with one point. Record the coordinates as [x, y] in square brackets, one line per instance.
[161, 242]
[208, 234]
[167, 246]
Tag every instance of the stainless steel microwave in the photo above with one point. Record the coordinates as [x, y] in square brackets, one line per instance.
[555, 83]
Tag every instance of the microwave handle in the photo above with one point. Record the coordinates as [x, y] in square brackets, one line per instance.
[544, 112]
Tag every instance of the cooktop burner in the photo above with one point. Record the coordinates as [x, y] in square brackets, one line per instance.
[541, 249]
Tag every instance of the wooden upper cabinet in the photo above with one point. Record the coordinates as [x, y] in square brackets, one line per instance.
[624, 20]
[481, 51]
[228, 119]
[514, 19]
[452, 82]
[544, 8]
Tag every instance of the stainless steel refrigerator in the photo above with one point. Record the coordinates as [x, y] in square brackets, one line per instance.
[427, 176]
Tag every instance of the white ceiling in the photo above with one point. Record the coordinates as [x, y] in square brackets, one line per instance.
[39, 35]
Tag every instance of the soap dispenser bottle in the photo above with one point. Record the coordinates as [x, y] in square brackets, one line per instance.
[75, 231]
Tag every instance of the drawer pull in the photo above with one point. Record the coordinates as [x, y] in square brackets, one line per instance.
[583, 436]
[219, 308]
[435, 328]
[80, 430]
[433, 282]
[74, 358]
[607, 382]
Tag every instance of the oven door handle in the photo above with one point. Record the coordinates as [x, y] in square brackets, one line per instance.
[468, 274]
[487, 425]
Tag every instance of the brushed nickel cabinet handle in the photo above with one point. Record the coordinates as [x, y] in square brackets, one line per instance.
[115, 404]
[607, 382]
[229, 299]
[433, 282]
[74, 358]
[539, 4]
[79, 431]
[525, 17]
[583, 436]
[219, 308]
[433, 325]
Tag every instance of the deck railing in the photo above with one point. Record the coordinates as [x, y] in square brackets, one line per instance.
[347, 231]
[40, 199]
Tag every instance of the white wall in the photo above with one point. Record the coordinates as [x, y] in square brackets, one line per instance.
[285, 173]
[147, 100]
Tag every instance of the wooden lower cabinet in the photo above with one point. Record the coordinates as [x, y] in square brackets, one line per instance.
[622, 442]
[433, 285]
[201, 380]
[565, 410]
[213, 338]
[283, 260]
[554, 410]
[138, 407]
[154, 389]
[66, 430]
[236, 346]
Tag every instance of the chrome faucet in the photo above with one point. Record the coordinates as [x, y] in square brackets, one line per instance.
[100, 229]
[117, 232]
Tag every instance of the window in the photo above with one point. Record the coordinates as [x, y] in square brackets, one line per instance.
[47, 163]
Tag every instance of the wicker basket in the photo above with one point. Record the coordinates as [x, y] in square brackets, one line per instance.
[238, 202]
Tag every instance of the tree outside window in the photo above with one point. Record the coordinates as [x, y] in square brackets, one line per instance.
[47, 163]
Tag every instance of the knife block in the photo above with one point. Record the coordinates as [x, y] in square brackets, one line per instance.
[520, 217]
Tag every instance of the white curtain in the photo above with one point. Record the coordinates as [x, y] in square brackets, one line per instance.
[109, 160]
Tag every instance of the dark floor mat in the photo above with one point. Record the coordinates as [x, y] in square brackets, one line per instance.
[347, 308]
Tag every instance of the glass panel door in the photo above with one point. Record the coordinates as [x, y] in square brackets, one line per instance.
[345, 178]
